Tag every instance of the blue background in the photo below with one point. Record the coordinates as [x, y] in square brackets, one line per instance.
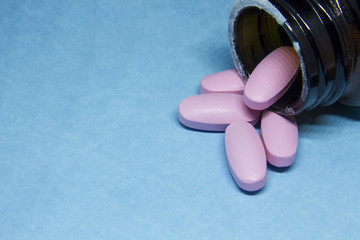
[90, 145]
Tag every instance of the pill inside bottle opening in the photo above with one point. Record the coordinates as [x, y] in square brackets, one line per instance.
[256, 35]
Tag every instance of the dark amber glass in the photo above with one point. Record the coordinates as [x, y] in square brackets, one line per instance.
[326, 35]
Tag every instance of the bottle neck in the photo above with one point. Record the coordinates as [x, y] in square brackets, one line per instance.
[316, 30]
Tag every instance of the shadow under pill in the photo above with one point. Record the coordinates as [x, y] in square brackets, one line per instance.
[255, 193]
[279, 169]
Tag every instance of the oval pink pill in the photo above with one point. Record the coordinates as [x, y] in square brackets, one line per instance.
[215, 111]
[227, 81]
[271, 78]
[246, 156]
[280, 138]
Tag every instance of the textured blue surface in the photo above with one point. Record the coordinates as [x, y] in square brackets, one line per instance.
[90, 146]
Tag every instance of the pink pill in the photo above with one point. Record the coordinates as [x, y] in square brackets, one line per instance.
[271, 78]
[227, 81]
[280, 138]
[245, 155]
[215, 111]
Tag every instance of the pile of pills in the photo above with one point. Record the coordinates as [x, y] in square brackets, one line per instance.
[226, 104]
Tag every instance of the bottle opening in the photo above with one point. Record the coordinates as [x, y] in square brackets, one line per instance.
[257, 34]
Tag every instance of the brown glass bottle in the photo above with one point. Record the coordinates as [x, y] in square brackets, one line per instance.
[325, 34]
